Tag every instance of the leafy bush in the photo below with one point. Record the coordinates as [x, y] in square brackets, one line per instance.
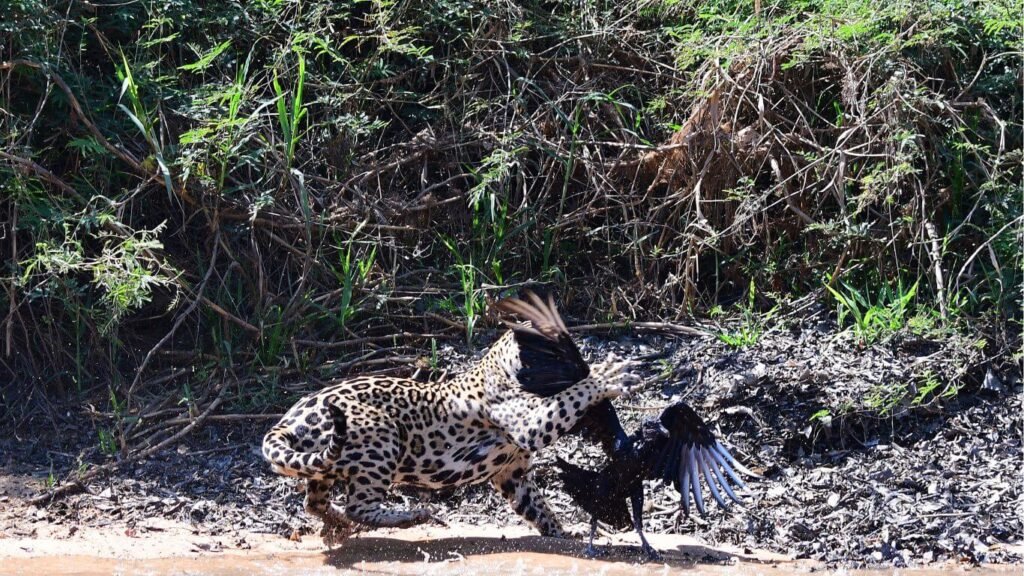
[269, 186]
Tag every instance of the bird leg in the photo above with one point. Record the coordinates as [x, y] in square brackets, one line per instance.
[637, 500]
[590, 551]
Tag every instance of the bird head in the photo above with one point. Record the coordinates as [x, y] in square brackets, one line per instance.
[652, 429]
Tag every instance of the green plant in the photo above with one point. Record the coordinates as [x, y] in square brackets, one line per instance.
[867, 136]
[885, 399]
[355, 266]
[751, 325]
[930, 388]
[874, 317]
[665, 369]
[261, 393]
[548, 269]
[434, 359]
[143, 118]
[188, 399]
[472, 298]
[273, 336]
[490, 214]
[290, 112]
[127, 269]
[473, 302]
[745, 337]
[108, 444]
[925, 389]
[823, 415]
[222, 134]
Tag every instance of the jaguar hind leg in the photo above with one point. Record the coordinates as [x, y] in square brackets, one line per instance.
[371, 462]
[367, 505]
[526, 499]
[337, 527]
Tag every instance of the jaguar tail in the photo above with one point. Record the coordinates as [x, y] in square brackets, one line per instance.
[279, 448]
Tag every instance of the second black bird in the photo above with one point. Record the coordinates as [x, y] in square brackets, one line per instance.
[677, 447]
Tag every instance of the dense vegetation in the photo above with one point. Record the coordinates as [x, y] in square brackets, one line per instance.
[211, 200]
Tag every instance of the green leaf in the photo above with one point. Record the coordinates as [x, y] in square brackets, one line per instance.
[207, 58]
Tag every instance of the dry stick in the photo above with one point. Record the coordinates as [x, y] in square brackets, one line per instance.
[228, 315]
[447, 321]
[936, 255]
[651, 326]
[228, 418]
[967, 262]
[422, 207]
[432, 187]
[365, 340]
[168, 424]
[785, 191]
[12, 308]
[177, 322]
[377, 361]
[76, 484]
[839, 266]
[44, 174]
[932, 249]
[122, 154]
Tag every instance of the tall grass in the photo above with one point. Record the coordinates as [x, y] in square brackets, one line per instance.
[271, 187]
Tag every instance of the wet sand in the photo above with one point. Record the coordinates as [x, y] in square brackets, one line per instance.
[164, 548]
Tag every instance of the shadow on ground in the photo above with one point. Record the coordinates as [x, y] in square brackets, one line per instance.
[361, 550]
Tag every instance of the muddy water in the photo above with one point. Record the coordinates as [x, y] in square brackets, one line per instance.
[175, 550]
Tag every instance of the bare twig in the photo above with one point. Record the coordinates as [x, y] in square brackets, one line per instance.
[79, 113]
[77, 484]
[44, 174]
[177, 322]
[668, 327]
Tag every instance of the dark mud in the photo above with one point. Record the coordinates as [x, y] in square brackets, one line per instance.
[843, 483]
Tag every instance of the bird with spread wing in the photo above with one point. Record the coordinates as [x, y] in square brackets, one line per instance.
[677, 447]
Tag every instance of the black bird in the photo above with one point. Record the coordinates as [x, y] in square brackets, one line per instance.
[677, 447]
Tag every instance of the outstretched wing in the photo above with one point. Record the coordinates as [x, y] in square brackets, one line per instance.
[682, 450]
[550, 360]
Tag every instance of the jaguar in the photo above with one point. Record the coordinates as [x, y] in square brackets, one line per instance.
[372, 433]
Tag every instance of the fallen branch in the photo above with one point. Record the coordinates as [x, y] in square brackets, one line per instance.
[228, 315]
[366, 340]
[669, 327]
[78, 483]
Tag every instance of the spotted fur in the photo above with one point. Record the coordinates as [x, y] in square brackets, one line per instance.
[371, 433]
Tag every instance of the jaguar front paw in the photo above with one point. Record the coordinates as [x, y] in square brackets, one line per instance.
[614, 377]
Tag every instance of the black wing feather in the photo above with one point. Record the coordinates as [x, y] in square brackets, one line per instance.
[595, 492]
[551, 362]
[679, 448]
